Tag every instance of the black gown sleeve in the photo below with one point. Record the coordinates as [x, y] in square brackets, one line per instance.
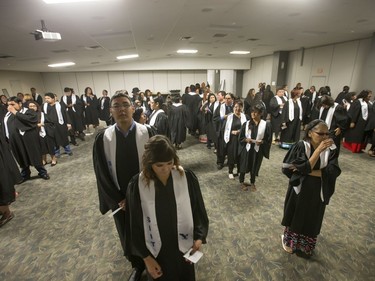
[329, 176]
[28, 120]
[296, 156]
[109, 195]
[200, 217]
[267, 141]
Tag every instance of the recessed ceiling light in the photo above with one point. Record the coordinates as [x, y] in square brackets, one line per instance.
[127, 57]
[240, 52]
[187, 51]
[62, 64]
[67, 1]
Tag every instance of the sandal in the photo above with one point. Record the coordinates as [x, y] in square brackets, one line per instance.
[4, 220]
[253, 188]
[286, 248]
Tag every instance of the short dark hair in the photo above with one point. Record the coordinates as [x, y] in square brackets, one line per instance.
[327, 100]
[15, 99]
[311, 126]
[137, 114]
[67, 89]
[51, 95]
[119, 95]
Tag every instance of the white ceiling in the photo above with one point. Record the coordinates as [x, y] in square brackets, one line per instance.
[154, 28]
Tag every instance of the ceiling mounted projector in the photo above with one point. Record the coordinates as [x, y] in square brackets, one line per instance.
[45, 34]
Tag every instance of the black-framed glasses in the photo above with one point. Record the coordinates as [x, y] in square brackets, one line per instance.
[321, 134]
[119, 106]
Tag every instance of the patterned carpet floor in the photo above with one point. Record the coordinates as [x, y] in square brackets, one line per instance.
[58, 232]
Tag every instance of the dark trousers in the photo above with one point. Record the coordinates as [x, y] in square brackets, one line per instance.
[25, 172]
[221, 150]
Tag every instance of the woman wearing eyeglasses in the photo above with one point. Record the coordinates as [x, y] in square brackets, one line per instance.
[312, 168]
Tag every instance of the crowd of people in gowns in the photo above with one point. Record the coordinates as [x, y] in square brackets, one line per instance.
[240, 132]
[34, 127]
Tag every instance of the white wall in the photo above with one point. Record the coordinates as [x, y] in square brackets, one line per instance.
[261, 71]
[17, 81]
[334, 65]
[156, 81]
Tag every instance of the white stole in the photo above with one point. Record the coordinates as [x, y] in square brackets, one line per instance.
[185, 223]
[109, 143]
[280, 101]
[58, 111]
[323, 163]
[260, 134]
[291, 109]
[74, 100]
[42, 131]
[22, 111]
[216, 104]
[177, 104]
[6, 124]
[154, 115]
[330, 113]
[364, 108]
[228, 125]
[222, 110]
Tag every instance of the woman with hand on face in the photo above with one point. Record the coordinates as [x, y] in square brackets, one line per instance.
[312, 168]
[167, 213]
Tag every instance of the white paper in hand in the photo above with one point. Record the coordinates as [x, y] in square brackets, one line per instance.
[193, 258]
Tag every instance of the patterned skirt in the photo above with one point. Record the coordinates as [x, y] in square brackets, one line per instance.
[299, 242]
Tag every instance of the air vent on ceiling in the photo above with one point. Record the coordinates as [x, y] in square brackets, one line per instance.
[92, 47]
[252, 39]
[60, 51]
[207, 10]
[185, 38]
[6, 56]
[218, 35]
[95, 62]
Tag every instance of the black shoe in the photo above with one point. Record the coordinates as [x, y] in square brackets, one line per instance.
[70, 153]
[220, 166]
[304, 255]
[135, 275]
[74, 143]
[23, 180]
[45, 177]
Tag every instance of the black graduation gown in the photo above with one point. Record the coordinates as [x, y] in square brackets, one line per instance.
[161, 124]
[232, 145]
[356, 134]
[25, 146]
[370, 127]
[250, 161]
[3, 112]
[249, 103]
[46, 144]
[170, 259]
[276, 115]
[306, 109]
[177, 123]
[267, 96]
[104, 113]
[75, 113]
[339, 120]
[192, 102]
[202, 125]
[292, 132]
[9, 173]
[211, 133]
[91, 110]
[303, 212]
[58, 132]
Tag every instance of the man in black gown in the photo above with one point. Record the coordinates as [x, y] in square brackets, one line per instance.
[21, 129]
[117, 156]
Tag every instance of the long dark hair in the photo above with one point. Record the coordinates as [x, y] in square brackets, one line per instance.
[158, 149]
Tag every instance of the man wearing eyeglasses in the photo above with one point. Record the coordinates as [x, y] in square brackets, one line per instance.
[117, 156]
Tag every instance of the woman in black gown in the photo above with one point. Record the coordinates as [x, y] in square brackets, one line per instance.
[167, 213]
[312, 168]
